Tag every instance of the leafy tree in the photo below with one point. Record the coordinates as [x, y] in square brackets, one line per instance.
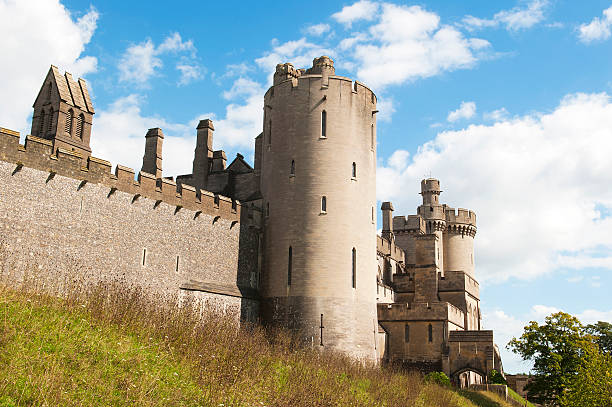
[602, 331]
[593, 384]
[496, 377]
[556, 348]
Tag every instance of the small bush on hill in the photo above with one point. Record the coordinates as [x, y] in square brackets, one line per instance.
[438, 378]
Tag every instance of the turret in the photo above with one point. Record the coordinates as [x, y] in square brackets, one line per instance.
[152, 160]
[318, 183]
[433, 214]
[387, 218]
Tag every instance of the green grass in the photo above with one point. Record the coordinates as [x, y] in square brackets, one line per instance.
[517, 397]
[115, 347]
[485, 398]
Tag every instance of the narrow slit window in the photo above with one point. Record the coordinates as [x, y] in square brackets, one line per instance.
[354, 267]
[324, 204]
[406, 333]
[41, 126]
[430, 333]
[323, 124]
[292, 167]
[372, 214]
[49, 89]
[268, 209]
[79, 126]
[50, 121]
[372, 137]
[270, 132]
[289, 265]
[177, 263]
[68, 126]
[144, 257]
[354, 171]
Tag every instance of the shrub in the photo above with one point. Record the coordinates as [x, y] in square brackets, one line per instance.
[437, 378]
[496, 377]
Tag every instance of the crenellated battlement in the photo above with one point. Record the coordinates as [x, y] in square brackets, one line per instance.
[38, 154]
[409, 224]
[460, 221]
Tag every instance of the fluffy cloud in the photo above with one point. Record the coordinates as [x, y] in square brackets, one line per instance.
[526, 178]
[408, 43]
[142, 61]
[597, 29]
[53, 36]
[317, 29]
[362, 10]
[515, 19]
[497, 115]
[466, 110]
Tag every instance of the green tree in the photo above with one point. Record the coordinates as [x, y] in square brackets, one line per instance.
[496, 377]
[602, 331]
[593, 384]
[555, 348]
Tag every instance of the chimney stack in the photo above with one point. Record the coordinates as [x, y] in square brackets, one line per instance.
[152, 160]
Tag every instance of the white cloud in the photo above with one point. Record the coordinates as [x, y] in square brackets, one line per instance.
[466, 110]
[361, 10]
[526, 177]
[317, 29]
[53, 36]
[142, 61]
[597, 29]
[515, 19]
[119, 136]
[189, 73]
[408, 43]
[497, 115]
[386, 108]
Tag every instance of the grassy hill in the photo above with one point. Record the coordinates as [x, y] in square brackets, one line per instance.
[114, 347]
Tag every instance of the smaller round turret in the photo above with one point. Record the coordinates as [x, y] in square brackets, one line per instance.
[430, 190]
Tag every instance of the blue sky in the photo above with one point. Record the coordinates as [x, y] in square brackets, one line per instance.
[506, 102]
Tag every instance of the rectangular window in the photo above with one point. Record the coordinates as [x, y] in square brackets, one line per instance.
[430, 333]
[144, 257]
[406, 333]
[324, 204]
[177, 263]
[289, 265]
[323, 124]
[354, 268]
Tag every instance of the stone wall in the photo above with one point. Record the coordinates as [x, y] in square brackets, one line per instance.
[63, 221]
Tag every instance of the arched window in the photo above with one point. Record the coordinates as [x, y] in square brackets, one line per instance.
[292, 167]
[430, 333]
[50, 121]
[406, 333]
[79, 126]
[354, 170]
[68, 126]
[41, 125]
[324, 204]
[323, 124]
[354, 267]
[289, 265]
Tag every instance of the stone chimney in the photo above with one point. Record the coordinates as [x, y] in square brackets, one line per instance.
[203, 153]
[152, 160]
[387, 218]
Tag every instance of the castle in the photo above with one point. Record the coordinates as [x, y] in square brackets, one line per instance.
[290, 241]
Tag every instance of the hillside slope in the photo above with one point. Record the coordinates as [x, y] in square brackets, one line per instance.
[117, 348]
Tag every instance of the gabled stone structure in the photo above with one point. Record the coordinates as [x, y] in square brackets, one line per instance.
[63, 113]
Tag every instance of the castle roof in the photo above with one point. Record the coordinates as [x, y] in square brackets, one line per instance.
[72, 92]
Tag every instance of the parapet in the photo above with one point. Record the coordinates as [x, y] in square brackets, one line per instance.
[410, 224]
[420, 311]
[430, 185]
[322, 65]
[461, 216]
[38, 154]
[284, 72]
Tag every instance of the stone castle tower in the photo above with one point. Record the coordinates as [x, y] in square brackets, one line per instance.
[317, 157]
[63, 113]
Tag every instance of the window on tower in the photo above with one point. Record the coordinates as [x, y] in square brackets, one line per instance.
[354, 170]
[354, 267]
[68, 126]
[292, 167]
[324, 204]
[50, 121]
[289, 265]
[372, 137]
[323, 124]
[406, 333]
[79, 126]
[430, 333]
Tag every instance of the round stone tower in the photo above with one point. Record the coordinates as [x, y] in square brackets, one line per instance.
[433, 214]
[318, 183]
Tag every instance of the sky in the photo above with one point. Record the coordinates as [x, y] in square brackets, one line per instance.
[506, 102]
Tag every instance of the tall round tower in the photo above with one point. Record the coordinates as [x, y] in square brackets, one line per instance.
[318, 183]
[433, 214]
